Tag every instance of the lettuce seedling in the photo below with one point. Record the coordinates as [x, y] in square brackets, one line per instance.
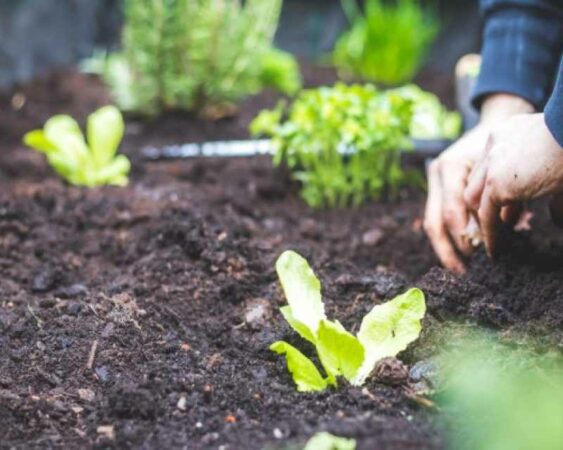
[387, 330]
[79, 163]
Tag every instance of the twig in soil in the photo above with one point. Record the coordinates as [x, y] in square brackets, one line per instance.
[92, 355]
[419, 399]
[37, 319]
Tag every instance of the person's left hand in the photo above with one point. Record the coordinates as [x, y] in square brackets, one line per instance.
[522, 162]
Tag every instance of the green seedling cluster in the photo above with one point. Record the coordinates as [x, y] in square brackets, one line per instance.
[385, 331]
[388, 42]
[431, 119]
[201, 55]
[344, 143]
[90, 164]
[323, 125]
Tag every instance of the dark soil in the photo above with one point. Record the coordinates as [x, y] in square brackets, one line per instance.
[127, 308]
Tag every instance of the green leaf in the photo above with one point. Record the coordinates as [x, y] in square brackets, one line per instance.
[303, 292]
[115, 172]
[389, 328]
[327, 441]
[340, 352]
[105, 132]
[305, 375]
[36, 139]
[62, 141]
[299, 327]
[65, 134]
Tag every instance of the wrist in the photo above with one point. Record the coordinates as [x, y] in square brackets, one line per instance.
[499, 107]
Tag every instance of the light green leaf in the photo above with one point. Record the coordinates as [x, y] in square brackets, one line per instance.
[36, 139]
[62, 129]
[105, 132]
[62, 141]
[299, 327]
[302, 290]
[327, 441]
[340, 352]
[305, 375]
[114, 172]
[389, 328]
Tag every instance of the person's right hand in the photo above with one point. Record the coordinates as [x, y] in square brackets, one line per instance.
[447, 216]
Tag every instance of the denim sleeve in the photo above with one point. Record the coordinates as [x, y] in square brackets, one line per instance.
[554, 108]
[522, 46]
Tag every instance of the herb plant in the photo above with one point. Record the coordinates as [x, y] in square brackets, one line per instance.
[431, 119]
[388, 42]
[385, 331]
[200, 55]
[84, 164]
[342, 143]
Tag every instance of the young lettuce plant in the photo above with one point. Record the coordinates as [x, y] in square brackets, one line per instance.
[84, 164]
[385, 331]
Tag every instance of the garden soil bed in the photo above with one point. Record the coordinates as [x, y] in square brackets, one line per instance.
[141, 317]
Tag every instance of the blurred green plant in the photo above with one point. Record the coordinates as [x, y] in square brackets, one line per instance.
[327, 441]
[79, 163]
[431, 119]
[502, 399]
[344, 143]
[388, 42]
[202, 55]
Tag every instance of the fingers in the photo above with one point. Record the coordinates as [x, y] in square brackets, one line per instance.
[489, 219]
[434, 223]
[454, 210]
[477, 179]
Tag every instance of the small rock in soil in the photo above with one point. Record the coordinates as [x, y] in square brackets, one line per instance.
[106, 431]
[257, 312]
[373, 237]
[309, 229]
[73, 291]
[390, 371]
[45, 280]
[427, 370]
[182, 403]
[87, 395]
[102, 373]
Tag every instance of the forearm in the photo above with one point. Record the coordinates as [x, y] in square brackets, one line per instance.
[522, 45]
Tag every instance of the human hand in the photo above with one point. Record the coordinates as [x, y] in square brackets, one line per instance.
[447, 215]
[522, 162]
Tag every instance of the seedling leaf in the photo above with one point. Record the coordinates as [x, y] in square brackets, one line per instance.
[305, 375]
[92, 164]
[340, 352]
[303, 293]
[389, 328]
[105, 132]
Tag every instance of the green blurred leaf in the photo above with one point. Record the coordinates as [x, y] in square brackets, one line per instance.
[304, 373]
[327, 441]
[389, 328]
[302, 290]
[340, 352]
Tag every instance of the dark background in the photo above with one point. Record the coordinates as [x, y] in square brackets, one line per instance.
[38, 35]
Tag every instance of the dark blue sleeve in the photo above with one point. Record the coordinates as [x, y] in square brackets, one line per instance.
[554, 108]
[522, 46]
